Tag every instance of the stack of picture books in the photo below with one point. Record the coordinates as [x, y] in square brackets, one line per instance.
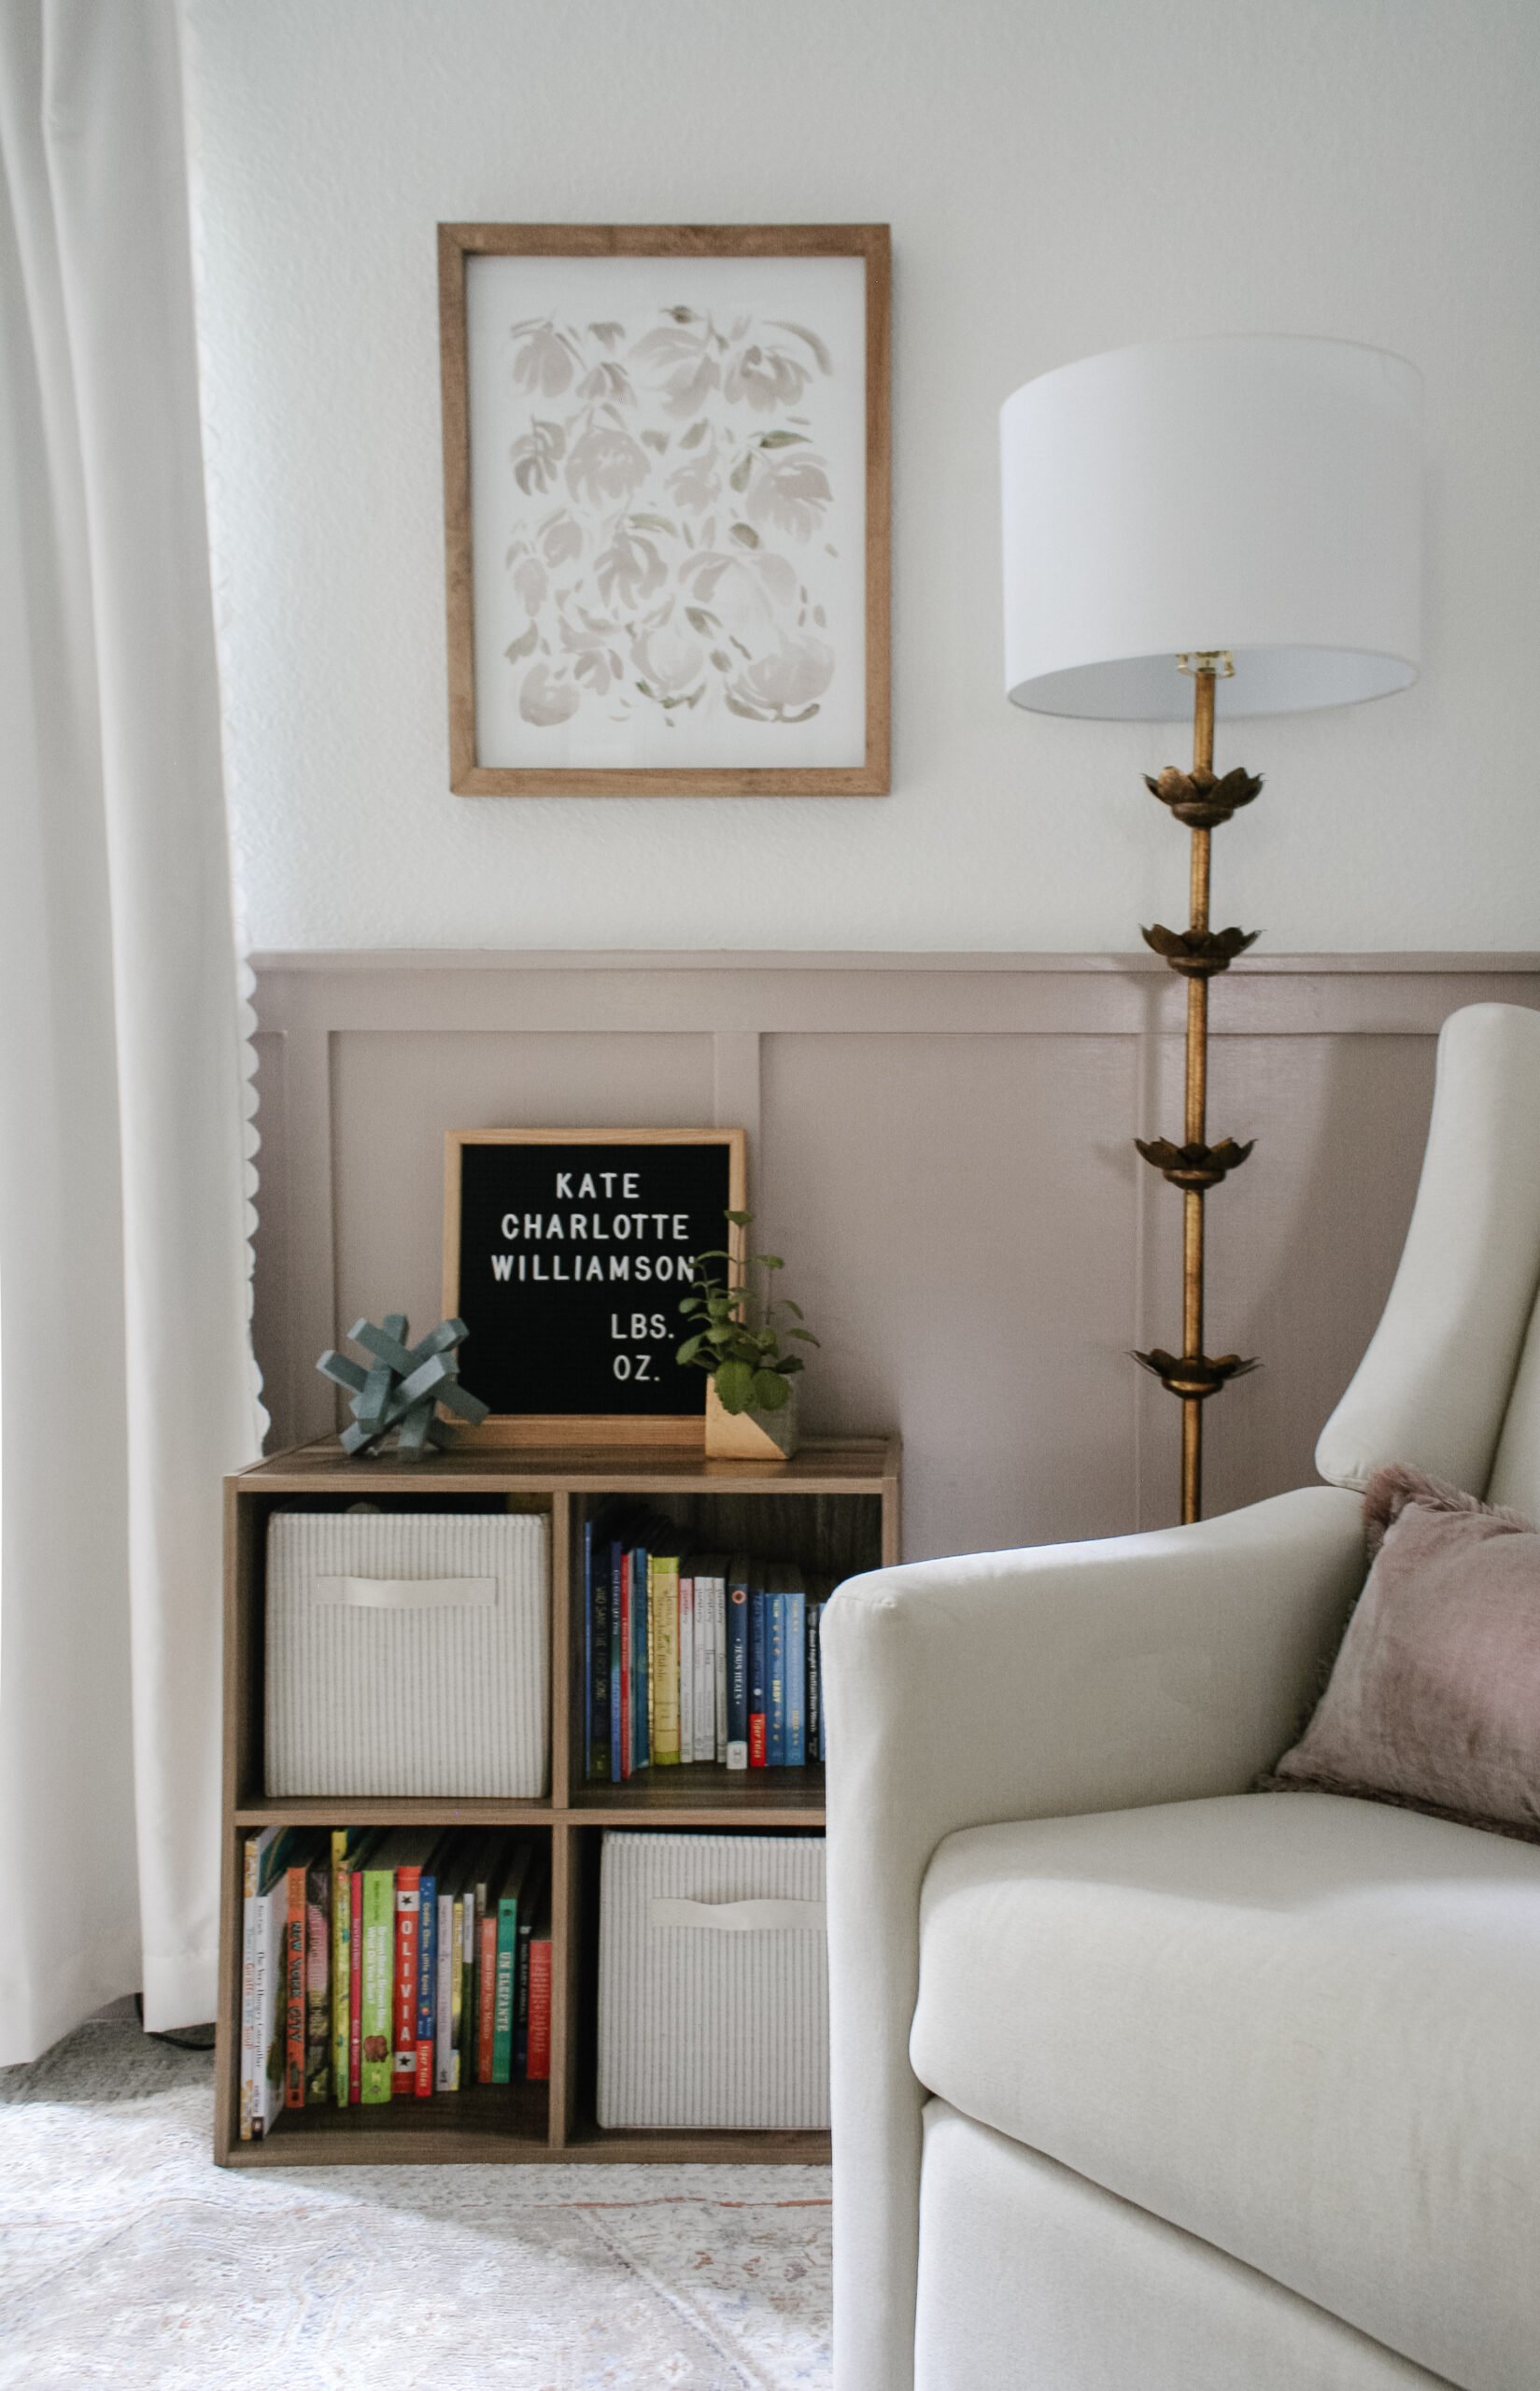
[692, 1658]
[389, 1963]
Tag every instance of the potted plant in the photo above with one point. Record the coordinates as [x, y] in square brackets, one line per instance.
[751, 1389]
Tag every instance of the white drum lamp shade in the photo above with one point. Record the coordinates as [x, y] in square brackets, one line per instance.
[1262, 496]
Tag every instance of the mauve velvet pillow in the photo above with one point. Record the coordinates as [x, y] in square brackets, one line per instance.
[1435, 1699]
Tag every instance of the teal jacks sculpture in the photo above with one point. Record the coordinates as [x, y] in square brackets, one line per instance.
[403, 1388]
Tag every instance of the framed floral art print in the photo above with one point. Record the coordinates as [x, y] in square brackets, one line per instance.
[666, 498]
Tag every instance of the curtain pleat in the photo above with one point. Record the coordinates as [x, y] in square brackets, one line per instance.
[125, 1370]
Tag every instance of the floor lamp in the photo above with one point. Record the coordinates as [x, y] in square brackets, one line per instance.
[1247, 513]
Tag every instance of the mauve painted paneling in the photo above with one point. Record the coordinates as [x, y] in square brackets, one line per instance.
[958, 1220]
[941, 1145]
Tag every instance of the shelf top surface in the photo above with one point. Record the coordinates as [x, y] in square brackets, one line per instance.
[822, 1466]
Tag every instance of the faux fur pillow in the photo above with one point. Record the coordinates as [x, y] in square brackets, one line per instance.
[1435, 1699]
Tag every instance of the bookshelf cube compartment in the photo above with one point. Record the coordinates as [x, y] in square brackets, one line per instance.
[407, 1652]
[712, 1982]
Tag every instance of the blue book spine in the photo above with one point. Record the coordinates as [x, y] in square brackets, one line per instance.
[617, 1711]
[640, 1740]
[823, 1729]
[756, 1676]
[775, 1681]
[814, 1683]
[797, 1679]
[597, 1575]
[428, 1974]
[737, 1630]
[588, 1648]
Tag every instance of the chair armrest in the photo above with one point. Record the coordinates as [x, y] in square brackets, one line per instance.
[1035, 1684]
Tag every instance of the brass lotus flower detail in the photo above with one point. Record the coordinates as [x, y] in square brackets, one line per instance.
[1197, 1166]
[1199, 800]
[1197, 953]
[1194, 1374]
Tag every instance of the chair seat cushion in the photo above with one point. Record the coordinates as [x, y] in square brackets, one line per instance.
[1305, 2028]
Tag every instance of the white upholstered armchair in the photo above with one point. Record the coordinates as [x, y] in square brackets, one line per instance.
[1143, 2082]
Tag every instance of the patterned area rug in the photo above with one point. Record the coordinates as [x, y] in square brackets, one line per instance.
[128, 2258]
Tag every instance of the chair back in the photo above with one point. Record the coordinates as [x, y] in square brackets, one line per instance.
[1451, 1380]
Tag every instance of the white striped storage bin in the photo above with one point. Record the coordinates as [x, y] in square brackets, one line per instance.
[712, 1981]
[407, 1653]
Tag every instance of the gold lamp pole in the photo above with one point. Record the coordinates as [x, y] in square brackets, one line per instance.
[1201, 802]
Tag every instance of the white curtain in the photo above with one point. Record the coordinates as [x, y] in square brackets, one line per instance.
[125, 1375]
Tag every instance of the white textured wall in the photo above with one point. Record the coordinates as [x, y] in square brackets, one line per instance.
[1061, 177]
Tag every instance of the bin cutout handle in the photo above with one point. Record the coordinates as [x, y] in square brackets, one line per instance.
[743, 1918]
[409, 1593]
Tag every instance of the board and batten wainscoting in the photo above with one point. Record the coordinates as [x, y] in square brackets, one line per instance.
[942, 1146]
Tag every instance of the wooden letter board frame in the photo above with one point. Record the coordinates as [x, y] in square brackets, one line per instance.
[672, 1429]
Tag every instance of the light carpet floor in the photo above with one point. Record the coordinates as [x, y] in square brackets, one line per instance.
[128, 2258]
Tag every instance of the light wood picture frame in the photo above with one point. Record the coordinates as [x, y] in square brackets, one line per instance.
[666, 470]
[556, 1244]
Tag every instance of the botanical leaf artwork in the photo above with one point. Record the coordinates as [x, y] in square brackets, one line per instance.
[668, 553]
[674, 546]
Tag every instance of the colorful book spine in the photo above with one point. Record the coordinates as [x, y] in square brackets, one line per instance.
[596, 1566]
[503, 2007]
[486, 1997]
[521, 1995]
[738, 1666]
[445, 2004]
[705, 1666]
[617, 1671]
[587, 1648]
[538, 2066]
[404, 2002]
[663, 1678]
[756, 1676]
[797, 1677]
[685, 1585]
[719, 1657]
[427, 1921]
[465, 1996]
[317, 1984]
[823, 1731]
[254, 2048]
[775, 1678]
[642, 1678]
[355, 1988]
[269, 2087]
[627, 1667]
[294, 1954]
[377, 1985]
[342, 1977]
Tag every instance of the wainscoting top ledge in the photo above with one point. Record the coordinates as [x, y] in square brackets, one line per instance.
[407, 958]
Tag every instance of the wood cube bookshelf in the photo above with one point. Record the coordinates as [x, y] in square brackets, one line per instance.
[833, 1507]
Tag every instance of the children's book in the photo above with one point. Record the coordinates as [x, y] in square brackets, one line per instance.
[355, 1980]
[757, 1659]
[342, 1936]
[318, 1983]
[304, 1854]
[377, 1957]
[775, 1669]
[716, 1737]
[427, 1921]
[664, 1669]
[738, 1664]
[516, 1872]
[795, 1599]
[446, 2005]
[641, 1680]
[538, 2059]
[687, 1663]
[256, 1850]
